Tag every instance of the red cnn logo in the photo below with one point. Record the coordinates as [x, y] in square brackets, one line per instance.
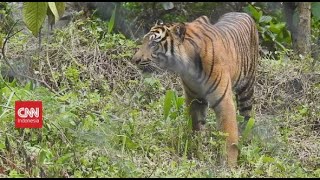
[28, 114]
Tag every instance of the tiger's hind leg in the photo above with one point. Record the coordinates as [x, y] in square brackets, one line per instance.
[244, 103]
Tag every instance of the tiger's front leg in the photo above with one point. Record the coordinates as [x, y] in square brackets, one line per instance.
[197, 109]
[222, 103]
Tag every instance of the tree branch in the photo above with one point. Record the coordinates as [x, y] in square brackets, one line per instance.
[9, 35]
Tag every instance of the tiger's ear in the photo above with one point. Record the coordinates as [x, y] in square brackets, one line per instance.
[159, 22]
[180, 30]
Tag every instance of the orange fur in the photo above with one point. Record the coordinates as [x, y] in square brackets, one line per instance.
[212, 60]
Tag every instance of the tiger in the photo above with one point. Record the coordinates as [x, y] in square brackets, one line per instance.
[214, 62]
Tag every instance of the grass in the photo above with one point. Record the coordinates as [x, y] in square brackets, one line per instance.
[103, 118]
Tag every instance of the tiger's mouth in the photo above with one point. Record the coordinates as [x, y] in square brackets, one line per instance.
[146, 65]
[149, 68]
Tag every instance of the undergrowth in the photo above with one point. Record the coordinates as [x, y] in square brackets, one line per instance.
[103, 118]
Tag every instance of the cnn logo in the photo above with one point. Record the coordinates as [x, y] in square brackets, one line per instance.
[28, 114]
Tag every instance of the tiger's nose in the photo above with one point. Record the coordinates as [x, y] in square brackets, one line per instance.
[136, 59]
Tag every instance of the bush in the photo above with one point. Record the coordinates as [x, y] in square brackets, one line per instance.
[102, 118]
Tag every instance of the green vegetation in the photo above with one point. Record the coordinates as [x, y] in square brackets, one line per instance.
[272, 31]
[34, 14]
[103, 118]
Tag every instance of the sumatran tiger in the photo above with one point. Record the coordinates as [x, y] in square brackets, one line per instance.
[212, 60]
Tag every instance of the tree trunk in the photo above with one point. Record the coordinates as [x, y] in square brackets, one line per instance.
[288, 8]
[303, 39]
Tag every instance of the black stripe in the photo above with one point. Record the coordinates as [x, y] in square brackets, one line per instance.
[195, 34]
[198, 65]
[232, 34]
[214, 85]
[247, 108]
[204, 19]
[164, 37]
[212, 64]
[204, 32]
[246, 86]
[172, 46]
[254, 53]
[157, 47]
[188, 88]
[246, 118]
[209, 28]
[191, 42]
[165, 46]
[221, 98]
[247, 97]
[156, 30]
[223, 36]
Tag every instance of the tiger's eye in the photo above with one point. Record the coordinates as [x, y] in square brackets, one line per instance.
[153, 44]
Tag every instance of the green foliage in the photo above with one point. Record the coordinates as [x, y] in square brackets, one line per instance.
[171, 102]
[112, 20]
[6, 21]
[124, 125]
[315, 29]
[34, 14]
[167, 5]
[248, 129]
[315, 10]
[55, 11]
[271, 29]
[315, 23]
[143, 10]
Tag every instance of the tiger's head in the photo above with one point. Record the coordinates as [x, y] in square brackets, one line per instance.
[160, 47]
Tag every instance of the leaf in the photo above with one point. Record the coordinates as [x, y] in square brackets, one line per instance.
[53, 9]
[50, 17]
[248, 128]
[42, 157]
[60, 8]
[9, 99]
[280, 166]
[167, 5]
[179, 102]
[1, 39]
[280, 45]
[150, 81]
[277, 28]
[29, 86]
[2, 146]
[265, 19]
[130, 144]
[34, 13]
[254, 12]
[112, 20]
[64, 158]
[185, 149]
[168, 103]
[267, 159]
[14, 174]
[315, 10]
